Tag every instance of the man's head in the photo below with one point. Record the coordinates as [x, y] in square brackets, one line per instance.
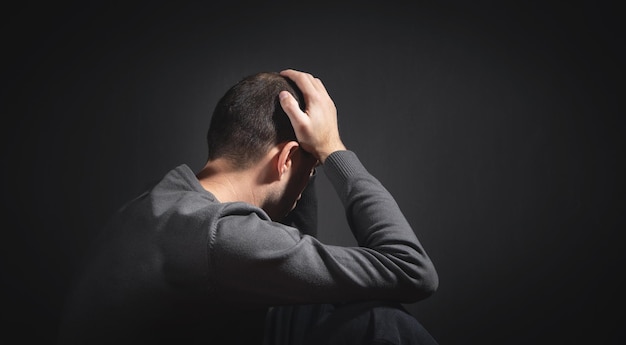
[251, 139]
[248, 120]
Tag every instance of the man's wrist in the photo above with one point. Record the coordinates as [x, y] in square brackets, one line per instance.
[324, 154]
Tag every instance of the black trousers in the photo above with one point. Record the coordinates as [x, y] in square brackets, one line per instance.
[363, 323]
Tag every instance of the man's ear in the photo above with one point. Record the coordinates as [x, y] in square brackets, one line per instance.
[285, 157]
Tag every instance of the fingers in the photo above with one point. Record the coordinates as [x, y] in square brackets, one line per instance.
[306, 82]
[291, 108]
[316, 127]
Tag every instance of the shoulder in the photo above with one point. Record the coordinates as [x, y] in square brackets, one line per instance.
[243, 229]
[243, 220]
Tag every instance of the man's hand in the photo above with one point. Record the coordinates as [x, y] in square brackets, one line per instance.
[316, 128]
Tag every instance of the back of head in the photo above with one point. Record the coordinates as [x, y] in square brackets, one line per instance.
[248, 120]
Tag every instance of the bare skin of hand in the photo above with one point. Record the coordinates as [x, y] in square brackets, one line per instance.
[315, 127]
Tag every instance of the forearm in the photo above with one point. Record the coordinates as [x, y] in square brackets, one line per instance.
[378, 223]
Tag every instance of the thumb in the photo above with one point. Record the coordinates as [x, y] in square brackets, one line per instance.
[290, 105]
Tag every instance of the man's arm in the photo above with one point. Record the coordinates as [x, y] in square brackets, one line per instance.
[374, 217]
[257, 261]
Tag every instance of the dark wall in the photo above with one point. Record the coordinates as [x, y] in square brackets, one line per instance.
[498, 128]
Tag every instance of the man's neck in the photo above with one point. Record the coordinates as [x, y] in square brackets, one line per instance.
[230, 185]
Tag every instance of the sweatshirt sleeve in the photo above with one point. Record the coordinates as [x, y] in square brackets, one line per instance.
[259, 261]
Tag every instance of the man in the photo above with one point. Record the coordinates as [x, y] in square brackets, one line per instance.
[201, 258]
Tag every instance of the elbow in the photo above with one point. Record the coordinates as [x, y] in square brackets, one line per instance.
[428, 284]
[431, 283]
[425, 283]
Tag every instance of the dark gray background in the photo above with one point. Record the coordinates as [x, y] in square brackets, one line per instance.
[498, 128]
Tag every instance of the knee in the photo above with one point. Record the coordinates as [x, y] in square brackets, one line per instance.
[371, 323]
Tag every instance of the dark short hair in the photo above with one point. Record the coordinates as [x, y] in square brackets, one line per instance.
[248, 120]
